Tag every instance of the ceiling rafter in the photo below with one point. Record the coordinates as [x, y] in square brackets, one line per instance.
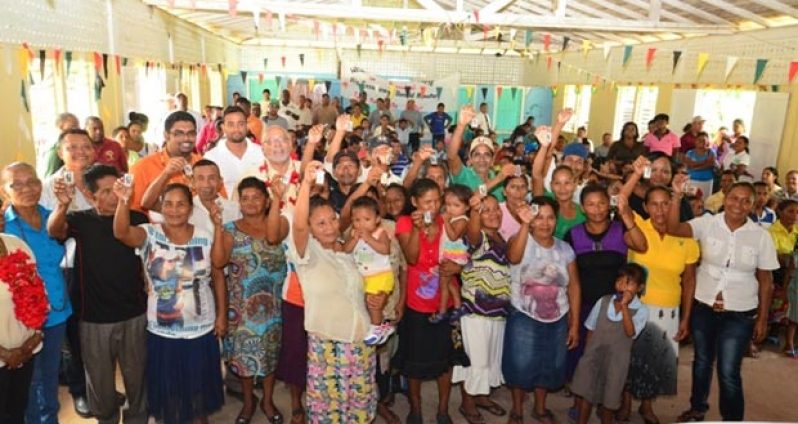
[619, 9]
[496, 6]
[739, 11]
[339, 11]
[680, 5]
[779, 7]
[664, 13]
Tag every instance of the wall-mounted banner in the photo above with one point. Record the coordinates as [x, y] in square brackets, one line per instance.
[427, 94]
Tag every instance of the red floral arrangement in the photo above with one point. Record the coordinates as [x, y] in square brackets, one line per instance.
[26, 287]
[293, 179]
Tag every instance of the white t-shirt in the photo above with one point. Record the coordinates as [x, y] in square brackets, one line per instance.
[201, 217]
[286, 111]
[180, 301]
[729, 261]
[49, 201]
[741, 158]
[540, 281]
[231, 166]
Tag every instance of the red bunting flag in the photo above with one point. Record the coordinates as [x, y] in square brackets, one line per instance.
[793, 70]
[98, 62]
[498, 91]
[548, 63]
[546, 41]
[232, 7]
[260, 78]
[476, 15]
[380, 44]
[57, 59]
[118, 62]
[485, 29]
[423, 90]
[282, 60]
[650, 57]
[269, 21]
[316, 29]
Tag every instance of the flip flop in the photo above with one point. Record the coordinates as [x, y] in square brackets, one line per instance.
[493, 408]
[476, 418]
[546, 417]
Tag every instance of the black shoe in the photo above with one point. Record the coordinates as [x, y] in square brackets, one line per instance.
[81, 406]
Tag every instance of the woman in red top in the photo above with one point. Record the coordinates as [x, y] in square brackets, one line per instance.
[425, 349]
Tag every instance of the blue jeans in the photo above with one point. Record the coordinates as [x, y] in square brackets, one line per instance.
[43, 397]
[725, 335]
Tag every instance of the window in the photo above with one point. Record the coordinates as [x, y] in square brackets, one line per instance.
[721, 107]
[636, 104]
[80, 90]
[43, 101]
[216, 91]
[577, 97]
[145, 93]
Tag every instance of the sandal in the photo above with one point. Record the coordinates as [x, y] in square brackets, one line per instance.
[493, 408]
[515, 418]
[241, 419]
[298, 416]
[277, 418]
[547, 417]
[691, 416]
[387, 415]
[475, 418]
[414, 419]
[647, 419]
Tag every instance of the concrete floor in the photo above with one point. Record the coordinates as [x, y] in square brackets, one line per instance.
[771, 387]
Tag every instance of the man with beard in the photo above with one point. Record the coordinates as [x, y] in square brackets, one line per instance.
[106, 151]
[276, 145]
[180, 133]
[235, 153]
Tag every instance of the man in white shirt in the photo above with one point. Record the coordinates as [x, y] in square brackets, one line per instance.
[288, 110]
[266, 100]
[732, 295]
[234, 154]
[182, 104]
[482, 120]
[305, 113]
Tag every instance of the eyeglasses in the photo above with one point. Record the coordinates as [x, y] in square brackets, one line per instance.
[18, 186]
[181, 134]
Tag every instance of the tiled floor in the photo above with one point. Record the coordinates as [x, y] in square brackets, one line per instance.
[771, 387]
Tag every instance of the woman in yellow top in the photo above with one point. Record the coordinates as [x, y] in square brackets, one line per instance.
[785, 234]
[671, 264]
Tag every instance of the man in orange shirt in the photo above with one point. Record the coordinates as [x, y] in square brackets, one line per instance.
[180, 133]
[254, 124]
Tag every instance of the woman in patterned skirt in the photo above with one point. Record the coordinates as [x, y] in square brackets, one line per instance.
[256, 270]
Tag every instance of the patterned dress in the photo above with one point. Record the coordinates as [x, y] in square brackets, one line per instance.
[254, 282]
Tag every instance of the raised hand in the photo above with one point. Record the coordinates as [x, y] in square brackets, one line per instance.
[543, 134]
[565, 115]
[310, 172]
[525, 214]
[277, 186]
[342, 122]
[640, 164]
[315, 134]
[175, 166]
[508, 170]
[467, 113]
[475, 201]
[679, 181]
[63, 192]
[122, 191]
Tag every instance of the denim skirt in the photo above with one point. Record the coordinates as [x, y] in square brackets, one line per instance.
[534, 352]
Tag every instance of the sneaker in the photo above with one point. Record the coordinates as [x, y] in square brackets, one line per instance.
[458, 313]
[373, 336]
[386, 329]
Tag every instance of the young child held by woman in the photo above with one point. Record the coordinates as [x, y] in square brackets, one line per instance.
[371, 247]
[614, 322]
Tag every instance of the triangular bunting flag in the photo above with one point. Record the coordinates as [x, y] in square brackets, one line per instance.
[585, 47]
[476, 15]
[554, 91]
[359, 48]
[98, 87]
[760, 69]
[124, 61]
[243, 76]
[627, 54]
[118, 63]
[260, 78]
[731, 62]
[23, 93]
[42, 62]
[484, 91]
[565, 41]
[98, 62]
[546, 41]
[676, 56]
[607, 49]
[105, 65]
[703, 58]
[265, 63]
[232, 7]
[793, 71]
[407, 91]
[327, 85]
[278, 79]
[527, 38]
[439, 91]
[470, 92]
[650, 57]
[282, 60]
[514, 91]
[256, 16]
[548, 63]
[499, 90]
[302, 59]
[68, 58]
[57, 60]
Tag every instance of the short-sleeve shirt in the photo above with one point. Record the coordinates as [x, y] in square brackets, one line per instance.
[180, 303]
[666, 258]
[706, 174]
[598, 259]
[469, 178]
[48, 254]
[565, 224]
[540, 281]
[110, 283]
[783, 239]
[621, 152]
[231, 166]
[729, 260]
[639, 317]
[486, 278]
[423, 294]
[147, 169]
[109, 152]
[665, 144]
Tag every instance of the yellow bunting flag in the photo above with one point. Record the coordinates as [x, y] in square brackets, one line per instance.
[703, 58]
[585, 47]
[470, 91]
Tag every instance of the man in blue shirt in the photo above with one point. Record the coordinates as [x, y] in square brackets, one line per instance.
[437, 122]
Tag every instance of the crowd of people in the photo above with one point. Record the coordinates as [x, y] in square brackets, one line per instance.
[336, 249]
